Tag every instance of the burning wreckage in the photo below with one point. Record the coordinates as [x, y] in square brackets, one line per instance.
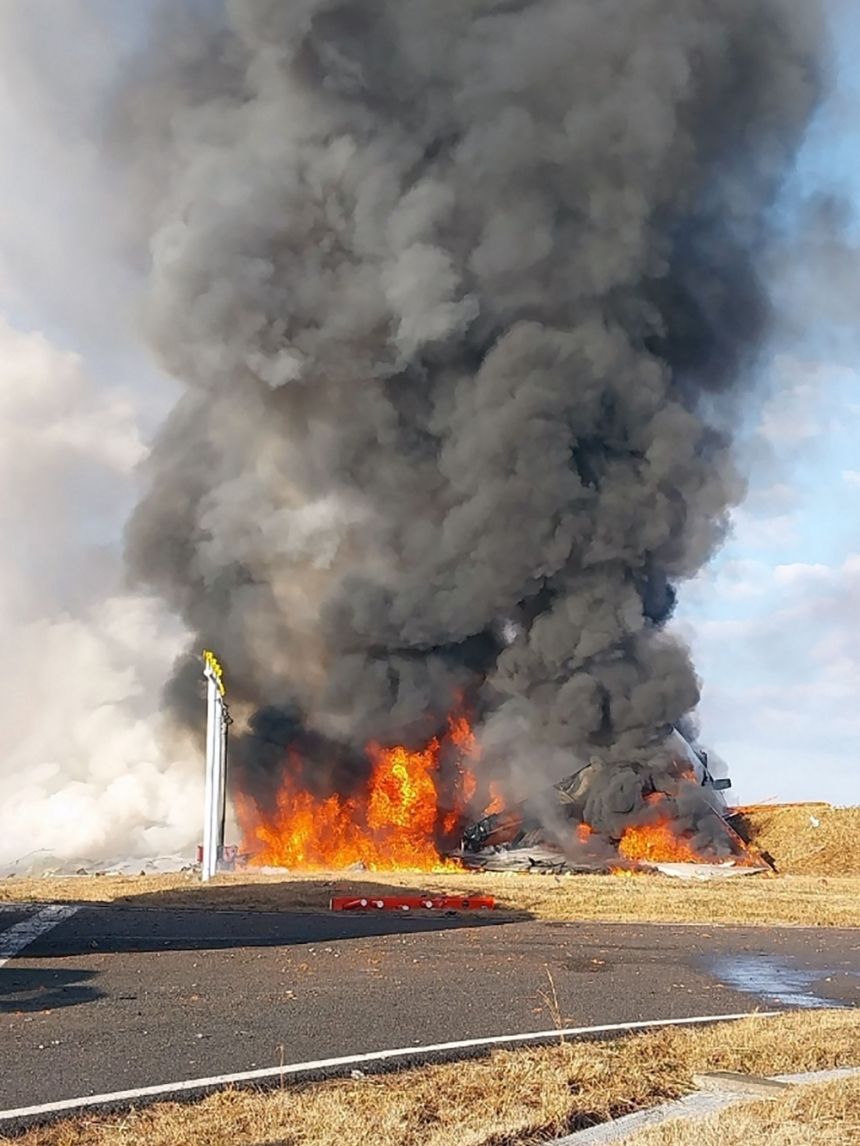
[411, 811]
[553, 831]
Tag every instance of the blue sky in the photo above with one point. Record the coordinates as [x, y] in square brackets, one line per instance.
[774, 621]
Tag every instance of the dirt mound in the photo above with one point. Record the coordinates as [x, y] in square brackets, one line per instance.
[805, 839]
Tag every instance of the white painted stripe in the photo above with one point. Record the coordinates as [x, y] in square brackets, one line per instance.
[327, 1064]
[22, 934]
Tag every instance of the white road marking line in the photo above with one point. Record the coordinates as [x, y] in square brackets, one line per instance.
[323, 1064]
[22, 934]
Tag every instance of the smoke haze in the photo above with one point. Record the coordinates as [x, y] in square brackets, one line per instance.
[85, 770]
[464, 297]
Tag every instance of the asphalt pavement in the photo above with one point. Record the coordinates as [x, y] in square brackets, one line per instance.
[115, 998]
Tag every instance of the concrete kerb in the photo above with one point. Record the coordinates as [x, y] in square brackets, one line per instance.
[697, 1105]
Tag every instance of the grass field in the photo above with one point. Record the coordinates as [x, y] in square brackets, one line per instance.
[760, 899]
[511, 1097]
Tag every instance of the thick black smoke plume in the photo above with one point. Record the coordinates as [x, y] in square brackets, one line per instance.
[464, 294]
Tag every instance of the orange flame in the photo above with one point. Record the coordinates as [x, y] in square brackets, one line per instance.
[497, 801]
[657, 843]
[461, 734]
[661, 842]
[395, 823]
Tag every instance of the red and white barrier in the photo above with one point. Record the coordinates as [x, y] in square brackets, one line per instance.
[412, 902]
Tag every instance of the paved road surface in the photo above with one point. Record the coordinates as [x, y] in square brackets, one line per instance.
[114, 998]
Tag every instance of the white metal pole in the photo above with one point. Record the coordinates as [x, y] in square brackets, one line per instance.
[217, 786]
[212, 738]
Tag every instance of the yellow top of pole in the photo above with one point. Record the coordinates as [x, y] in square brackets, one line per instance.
[214, 666]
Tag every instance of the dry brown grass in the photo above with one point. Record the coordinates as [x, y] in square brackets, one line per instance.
[758, 899]
[830, 846]
[510, 1097]
[826, 1114]
[818, 884]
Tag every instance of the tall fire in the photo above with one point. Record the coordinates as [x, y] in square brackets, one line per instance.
[411, 813]
[410, 810]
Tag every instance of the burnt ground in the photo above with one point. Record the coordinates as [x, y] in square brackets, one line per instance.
[120, 997]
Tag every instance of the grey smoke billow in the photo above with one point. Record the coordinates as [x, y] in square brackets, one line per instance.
[464, 295]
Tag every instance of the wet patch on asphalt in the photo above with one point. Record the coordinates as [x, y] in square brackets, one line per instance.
[777, 979]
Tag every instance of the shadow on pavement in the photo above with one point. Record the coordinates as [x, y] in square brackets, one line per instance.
[27, 990]
[219, 917]
[311, 894]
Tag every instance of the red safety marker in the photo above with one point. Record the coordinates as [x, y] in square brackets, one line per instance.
[412, 902]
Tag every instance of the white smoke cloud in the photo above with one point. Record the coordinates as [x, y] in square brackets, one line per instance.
[84, 772]
[82, 767]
